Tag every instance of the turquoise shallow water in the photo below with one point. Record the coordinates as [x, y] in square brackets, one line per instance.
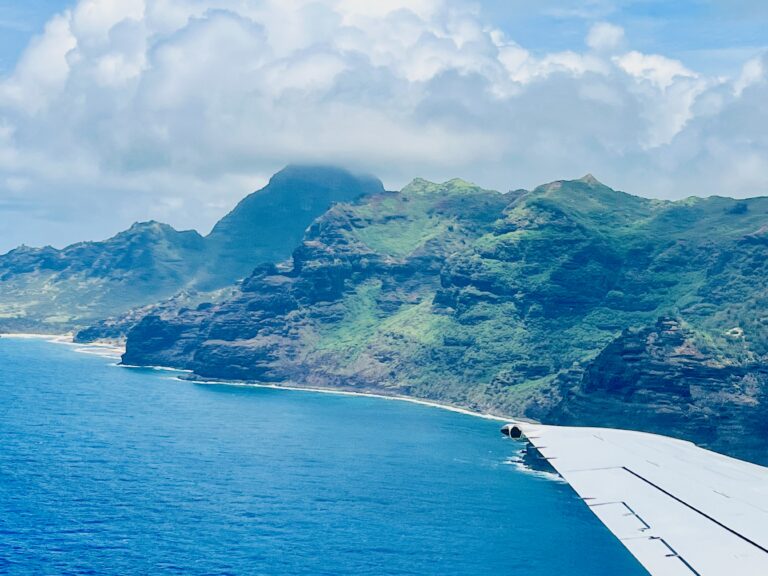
[108, 470]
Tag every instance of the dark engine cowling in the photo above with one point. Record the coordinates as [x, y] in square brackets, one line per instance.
[512, 430]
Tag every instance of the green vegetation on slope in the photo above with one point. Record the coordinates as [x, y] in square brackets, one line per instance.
[515, 303]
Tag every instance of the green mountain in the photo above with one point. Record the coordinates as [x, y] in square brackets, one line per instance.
[50, 290]
[268, 225]
[571, 303]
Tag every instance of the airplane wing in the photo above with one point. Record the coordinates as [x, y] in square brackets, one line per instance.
[679, 509]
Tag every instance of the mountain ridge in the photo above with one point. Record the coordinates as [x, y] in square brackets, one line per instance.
[571, 303]
[55, 290]
[507, 303]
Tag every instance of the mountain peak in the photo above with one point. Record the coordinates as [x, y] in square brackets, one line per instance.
[268, 224]
[460, 183]
[320, 174]
[454, 185]
[146, 225]
[590, 180]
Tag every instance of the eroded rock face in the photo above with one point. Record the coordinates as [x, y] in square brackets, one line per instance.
[349, 274]
[663, 378]
[542, 303]
[116, 328]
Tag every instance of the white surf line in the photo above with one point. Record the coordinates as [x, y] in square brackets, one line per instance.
[103, 352]
[67, 339]
[678, 508]
[294, 388]
[64, 338]
[157, 368]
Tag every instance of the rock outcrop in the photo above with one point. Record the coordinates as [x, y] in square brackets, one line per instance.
[665, 377]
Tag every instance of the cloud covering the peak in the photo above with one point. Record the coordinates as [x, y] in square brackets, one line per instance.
[173, 109]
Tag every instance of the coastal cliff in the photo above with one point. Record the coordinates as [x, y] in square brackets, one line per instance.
[664, 378]
[357, 300]
[527, 303]
[572, 303]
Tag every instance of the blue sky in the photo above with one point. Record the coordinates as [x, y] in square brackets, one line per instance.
[114, 111]
[19, 21]
[708, 34]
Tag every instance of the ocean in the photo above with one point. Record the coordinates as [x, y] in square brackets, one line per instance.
[112, 470]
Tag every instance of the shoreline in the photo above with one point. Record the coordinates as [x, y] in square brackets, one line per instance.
[115, 350]
[341, 392]
[110, 350]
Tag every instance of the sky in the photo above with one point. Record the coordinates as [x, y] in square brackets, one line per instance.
[115, 111]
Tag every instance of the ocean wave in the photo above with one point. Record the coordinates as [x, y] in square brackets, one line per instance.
[519, 464]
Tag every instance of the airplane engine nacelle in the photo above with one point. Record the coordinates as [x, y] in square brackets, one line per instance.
[512, 430]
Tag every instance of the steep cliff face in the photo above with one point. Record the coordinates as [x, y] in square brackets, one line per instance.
[109, 285]
[527, 303]
[667, 377]
[356, 308]
[115, 328]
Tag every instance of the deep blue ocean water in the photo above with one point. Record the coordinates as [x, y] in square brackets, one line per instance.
[109, 470]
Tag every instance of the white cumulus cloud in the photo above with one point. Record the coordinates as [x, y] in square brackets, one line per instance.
[173, 109]
[605, 36]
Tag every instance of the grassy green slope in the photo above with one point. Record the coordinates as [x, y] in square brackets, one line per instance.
[535, 287]
[386, 327]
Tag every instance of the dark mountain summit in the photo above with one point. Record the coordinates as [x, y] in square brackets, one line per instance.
[267, 225]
